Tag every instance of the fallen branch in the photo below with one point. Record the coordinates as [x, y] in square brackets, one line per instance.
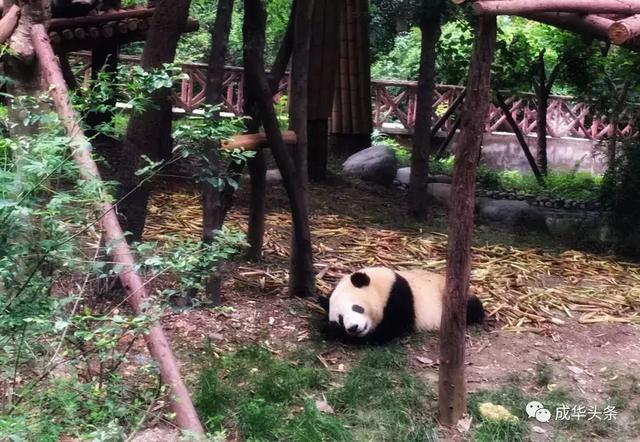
[624, 30]
[186, 416]
[519, 7]
[9, 22]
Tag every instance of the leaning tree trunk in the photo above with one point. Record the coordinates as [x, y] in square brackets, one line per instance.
[212, 210]
[149, 132]
[422, 140]
[254, 30]
[452, 391]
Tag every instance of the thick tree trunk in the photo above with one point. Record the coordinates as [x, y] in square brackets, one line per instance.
[301, 271]
[422, 140]
[452, 389]
[322, 78]
[186, 416]
[254, 29]
[518, 7]
[351, 120]
[149, 132]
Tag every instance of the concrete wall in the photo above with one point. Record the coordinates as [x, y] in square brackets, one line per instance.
[501, 151]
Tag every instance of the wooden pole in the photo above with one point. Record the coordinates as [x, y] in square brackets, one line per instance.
[9, 22]
[624, 30]
[520, 137]
[519, 7]
[452, 389]
[430, 26]
[186, 416]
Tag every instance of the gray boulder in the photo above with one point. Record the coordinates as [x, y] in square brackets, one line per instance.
[517, 215]
[402, 176]
[376, 163]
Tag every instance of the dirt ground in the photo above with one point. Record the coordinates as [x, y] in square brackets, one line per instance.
[587, 360]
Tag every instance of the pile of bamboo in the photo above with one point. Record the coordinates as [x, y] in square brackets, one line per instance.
[523, 289]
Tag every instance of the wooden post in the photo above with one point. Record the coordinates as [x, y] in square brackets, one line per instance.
[254, 29]
[543, 88]
[351, 120]
[520, 137]
[212, 209]
[9, 22]
[452, 389]
[186, 416]
[518, 7]
[322, 79]
[422, 139]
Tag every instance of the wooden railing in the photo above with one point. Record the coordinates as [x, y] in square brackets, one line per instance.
[394, 105]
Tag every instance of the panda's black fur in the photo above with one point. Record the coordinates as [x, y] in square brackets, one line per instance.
[399, 317]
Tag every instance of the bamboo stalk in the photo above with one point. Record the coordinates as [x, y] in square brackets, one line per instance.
[186, 416]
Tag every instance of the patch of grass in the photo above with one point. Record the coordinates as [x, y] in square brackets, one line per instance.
[268, 398]
[382, 401]
[492, 431]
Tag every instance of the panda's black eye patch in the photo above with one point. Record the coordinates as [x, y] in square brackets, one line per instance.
[356, 308]
[359, 279]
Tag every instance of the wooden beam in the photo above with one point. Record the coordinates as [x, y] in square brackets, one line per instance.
[519, 7]
[72, 22]
[136, 292]
[589, 25]
[624, 30]
[9, 22]
[255, 141]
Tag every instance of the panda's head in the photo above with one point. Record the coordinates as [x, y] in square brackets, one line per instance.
[357, 303]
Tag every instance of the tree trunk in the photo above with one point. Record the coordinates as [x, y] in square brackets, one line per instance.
[254, 29]
[186, 416]
[541, 126]
[149, 132]
[452, 391]
[301, 271]
[518, 7]
[351, 120]
[422, 140]
[322, 78]
[624, 30]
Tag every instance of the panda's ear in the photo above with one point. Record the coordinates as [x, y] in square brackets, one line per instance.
[360, 279]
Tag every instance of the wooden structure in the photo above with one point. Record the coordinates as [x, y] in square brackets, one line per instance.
[351, 123]
[114, 27]
[394, 101]
[580, 15]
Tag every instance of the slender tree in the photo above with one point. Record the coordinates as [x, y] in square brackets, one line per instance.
[254, 30]
[212, 208]
[543, 86]
[149, 132]
[452, 390]
[430, 27]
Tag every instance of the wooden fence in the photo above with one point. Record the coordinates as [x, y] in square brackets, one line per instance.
[394, 105]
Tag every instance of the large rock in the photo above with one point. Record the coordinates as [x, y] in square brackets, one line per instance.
[404, 173]
[376, 163]
[439, 193]
[519, 216]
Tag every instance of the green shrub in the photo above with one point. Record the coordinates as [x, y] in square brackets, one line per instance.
[621, 194]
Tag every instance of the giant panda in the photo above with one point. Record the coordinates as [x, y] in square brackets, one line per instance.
[377, 304]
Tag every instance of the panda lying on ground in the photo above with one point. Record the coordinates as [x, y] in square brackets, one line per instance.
[377, 304]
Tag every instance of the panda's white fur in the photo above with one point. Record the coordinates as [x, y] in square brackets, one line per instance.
[358, 304]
